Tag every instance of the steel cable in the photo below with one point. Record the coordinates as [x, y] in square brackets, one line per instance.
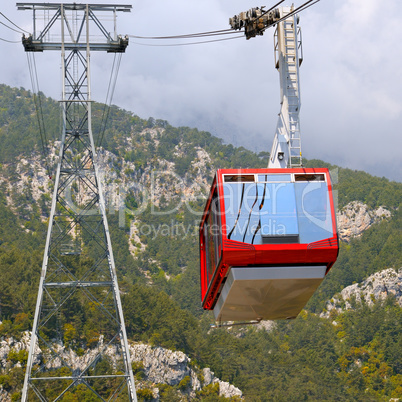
[188, 36]
[187, 44]
[109, 97]
[39, 109]
[21, 30]
[303, 7]
[2, 23]
[10, 41]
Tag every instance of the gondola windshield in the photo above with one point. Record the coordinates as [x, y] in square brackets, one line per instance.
[276, 210]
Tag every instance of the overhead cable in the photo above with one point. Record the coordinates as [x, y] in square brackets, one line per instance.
[303, 7]
[13, 29]
[10, 41]
[266, 12]
[316, 1]
[187, 44]
[298, 9]
[38, 106]
[218, 32]
[109, 96]
[189, 36]
[8, 19]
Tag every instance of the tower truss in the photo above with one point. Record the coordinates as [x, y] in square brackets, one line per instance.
[79, 348]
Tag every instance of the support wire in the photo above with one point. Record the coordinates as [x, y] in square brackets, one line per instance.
[21, 30]
[109, 97]
[10, 41]
[191, 43]
[39, 109]
[303, 7]
[187, 36]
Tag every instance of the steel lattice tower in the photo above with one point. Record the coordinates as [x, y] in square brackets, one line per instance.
[78, 307]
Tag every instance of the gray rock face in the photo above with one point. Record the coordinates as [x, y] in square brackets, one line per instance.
[161, 366]
[267, 325]
[376, 287]
[208, 376]
[164, 366]
[225, 389]
[4, 395]
[9, 344]
[356, 217]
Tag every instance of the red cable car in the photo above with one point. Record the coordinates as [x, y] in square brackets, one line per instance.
[268, 237]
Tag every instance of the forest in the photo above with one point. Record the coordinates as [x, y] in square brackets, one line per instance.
[355, 355]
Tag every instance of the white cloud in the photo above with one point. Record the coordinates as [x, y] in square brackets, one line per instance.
[350, 80]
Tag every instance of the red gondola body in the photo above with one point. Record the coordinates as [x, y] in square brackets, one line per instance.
[267, 239]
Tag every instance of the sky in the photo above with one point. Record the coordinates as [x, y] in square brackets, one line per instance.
[350, 79]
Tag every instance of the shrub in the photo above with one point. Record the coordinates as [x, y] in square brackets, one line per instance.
[145, 394]
[184, 383]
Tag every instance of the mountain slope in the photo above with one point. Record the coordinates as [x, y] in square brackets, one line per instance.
[156, 179]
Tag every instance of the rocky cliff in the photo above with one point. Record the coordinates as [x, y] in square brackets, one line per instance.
[356, 217]
[152, 366]
[376, 287]
[152, 182]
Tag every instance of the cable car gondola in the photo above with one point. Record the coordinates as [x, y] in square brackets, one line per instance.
[268, 237]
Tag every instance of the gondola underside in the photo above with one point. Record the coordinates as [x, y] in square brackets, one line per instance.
[269, 293]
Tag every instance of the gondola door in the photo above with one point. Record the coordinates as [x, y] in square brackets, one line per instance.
[211, 241]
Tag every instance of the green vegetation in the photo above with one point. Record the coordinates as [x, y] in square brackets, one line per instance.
[354, 185]
[379, 247]
[354, 356]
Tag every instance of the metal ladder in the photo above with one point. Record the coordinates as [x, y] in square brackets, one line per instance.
[292, 45]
